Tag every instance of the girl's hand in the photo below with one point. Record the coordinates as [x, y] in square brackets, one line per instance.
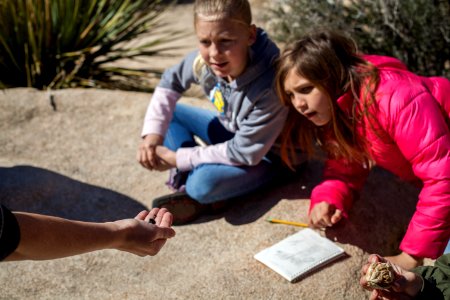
[167, 159]
[146, 155]
[323, 215]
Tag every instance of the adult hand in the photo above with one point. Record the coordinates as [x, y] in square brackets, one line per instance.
[406, 284]
[146, 154]
[48, 237]
[143, 238]
[324, 214]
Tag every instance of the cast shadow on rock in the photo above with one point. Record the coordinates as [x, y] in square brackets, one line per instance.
[37, 190]
[380, 215]
[291, 186]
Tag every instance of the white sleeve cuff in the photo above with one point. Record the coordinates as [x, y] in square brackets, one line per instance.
[189, 158]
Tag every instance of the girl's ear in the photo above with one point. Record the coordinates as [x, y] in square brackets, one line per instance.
[252, 36]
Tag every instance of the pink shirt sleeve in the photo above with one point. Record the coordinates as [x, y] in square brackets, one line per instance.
[159, 112]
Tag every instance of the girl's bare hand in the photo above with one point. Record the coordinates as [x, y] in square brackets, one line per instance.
[146, 154]
[324, 215]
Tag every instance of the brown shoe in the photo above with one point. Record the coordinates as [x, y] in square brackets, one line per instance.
[183, 208]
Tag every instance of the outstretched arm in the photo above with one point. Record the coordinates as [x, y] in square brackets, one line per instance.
[333, 197]
[46, 237]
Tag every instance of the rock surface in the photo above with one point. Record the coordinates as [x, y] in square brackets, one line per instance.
[76, 159]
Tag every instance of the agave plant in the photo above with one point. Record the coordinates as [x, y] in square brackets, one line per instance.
[53, 44]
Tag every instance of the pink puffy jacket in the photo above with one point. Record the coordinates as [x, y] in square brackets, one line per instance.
[412, 140]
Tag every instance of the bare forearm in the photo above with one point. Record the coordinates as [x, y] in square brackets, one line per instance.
[47, 237]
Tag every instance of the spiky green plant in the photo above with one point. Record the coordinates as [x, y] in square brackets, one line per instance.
[52, 44]
[415, 31]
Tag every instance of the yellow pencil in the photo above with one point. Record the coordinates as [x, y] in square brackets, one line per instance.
[287, 222]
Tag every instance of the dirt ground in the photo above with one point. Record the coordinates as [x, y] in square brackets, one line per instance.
[77, 160]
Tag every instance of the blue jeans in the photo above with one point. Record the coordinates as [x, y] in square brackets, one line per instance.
[208, 183]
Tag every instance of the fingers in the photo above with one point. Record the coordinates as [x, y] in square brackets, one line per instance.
[363, 281]
[375, 258]
[147, 155]
[324, 222]
[141, 216]
[152, 214]
[324, 215]
[150, 152]
[146, 215]
[163, 220]
[364, 269]
[159, 213]
[374, 295]
[167, 219]
[161, 216]
[166, 155]
[336, 217]
[315, 216]
[371, 259]
[388, 295]
[146, 234]
[163, 165]
[141, 157]
[379, 295]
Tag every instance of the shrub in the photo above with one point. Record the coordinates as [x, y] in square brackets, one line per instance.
[52, 44]
[415, 31]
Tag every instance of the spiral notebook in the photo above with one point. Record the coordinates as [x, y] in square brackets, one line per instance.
[299, 254]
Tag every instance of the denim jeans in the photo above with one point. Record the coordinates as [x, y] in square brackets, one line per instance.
[208, 183]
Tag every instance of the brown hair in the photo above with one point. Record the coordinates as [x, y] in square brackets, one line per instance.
[329, 60]
[236, 10]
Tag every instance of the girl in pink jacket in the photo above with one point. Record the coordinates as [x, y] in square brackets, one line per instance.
[365, 111]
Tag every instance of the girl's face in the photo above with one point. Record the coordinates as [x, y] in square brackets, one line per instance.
[307, 99]
[223, 44]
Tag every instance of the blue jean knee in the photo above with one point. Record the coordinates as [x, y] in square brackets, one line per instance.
[209, 183]
[189, 121]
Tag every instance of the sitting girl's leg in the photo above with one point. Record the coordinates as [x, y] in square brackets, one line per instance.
[211, 183]
[189, 121]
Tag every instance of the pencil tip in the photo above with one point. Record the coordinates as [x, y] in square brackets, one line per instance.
[269, 220]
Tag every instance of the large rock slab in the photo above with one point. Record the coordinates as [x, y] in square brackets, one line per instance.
[72, 154]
